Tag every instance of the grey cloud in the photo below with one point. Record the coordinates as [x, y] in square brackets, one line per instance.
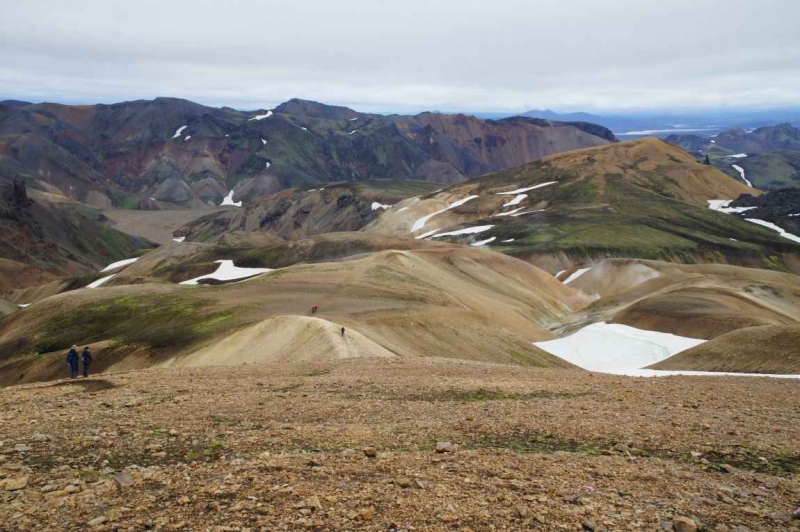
[434, 54]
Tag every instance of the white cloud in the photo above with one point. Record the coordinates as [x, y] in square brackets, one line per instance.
[434, 54]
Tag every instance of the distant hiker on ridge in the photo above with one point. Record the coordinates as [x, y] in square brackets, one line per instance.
[313, 309]
[86, 358]
[72, 362]
[342, 332]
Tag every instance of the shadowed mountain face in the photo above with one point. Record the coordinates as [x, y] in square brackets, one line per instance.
[42, 242]
[169, 152]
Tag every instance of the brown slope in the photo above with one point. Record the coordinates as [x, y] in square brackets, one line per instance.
[445, 301]
[767, 349]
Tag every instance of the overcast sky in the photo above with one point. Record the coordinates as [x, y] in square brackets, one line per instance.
[410, 55]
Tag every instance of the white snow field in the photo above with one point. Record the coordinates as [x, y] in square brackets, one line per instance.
[260, 117]
[741, 171]
[516, 201]
[526, 189]
[419, 224]
[774, 227]
[509, 213]
[228, 272]
[178, 132]
[721, 205]
[483, 242]
[101, 281]
[623, 350]
[377, 205]
[228, 200]
[575, 275]
[612, 347]
[468, 231]
[426, 235]
[118, 264]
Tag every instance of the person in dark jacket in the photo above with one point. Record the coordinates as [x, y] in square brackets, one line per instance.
[72, 362]
[86, 358]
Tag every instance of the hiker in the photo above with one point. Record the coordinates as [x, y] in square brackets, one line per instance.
[72, 362]
[313, 309]
[342, 332]
[86, 358]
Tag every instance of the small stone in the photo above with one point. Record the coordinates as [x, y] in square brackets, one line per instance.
[403, 482]
[727, 468]
[22, 448]
[448, 518]
[366, 514]
[588, 525]
[14, 484]
[370, 452]
[683, 524]
[444, 447]
[71, 489]
[41, 437]
[123, 479]
[97, 521]
[314, 462]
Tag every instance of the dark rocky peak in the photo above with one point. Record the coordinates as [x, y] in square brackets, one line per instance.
[312, 109]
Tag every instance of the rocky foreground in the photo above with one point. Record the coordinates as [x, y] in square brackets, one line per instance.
[399, 445]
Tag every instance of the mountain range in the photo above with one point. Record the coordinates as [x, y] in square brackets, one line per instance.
[171, 153]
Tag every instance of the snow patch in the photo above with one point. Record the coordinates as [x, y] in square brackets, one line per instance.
[612, 347]
[484, 242]
[268, 165]
[517, 199]
[508, 240]
[354, 131]
[261, 117]
[774, 227]
[713, 142]
[354, 119]
[419, 224]
[263, 142]
[741, 171]
[24, 305]
[178, 132]
[526, 189]
[118, 264]
[187, 138]
[721, 205]
[376, 206]
[468, 231]
[575, 275]
[793, 215]
[510, 213]
[426, 235]
[737, 156]
[228, 272]
[406, 208]
[179, 239]
[559, 273]
[228, 200]
[101, 281]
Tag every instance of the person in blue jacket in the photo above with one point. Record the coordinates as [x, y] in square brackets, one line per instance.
[72, 362]
[86, 358]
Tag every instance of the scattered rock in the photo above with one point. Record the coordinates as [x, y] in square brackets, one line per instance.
[588, 525]
[97, 521]
[14, 484]
[683, 524]
[22, 448]
[403, 482]
[448, 518]
[444, 447]
[123, 479]
[370, 452]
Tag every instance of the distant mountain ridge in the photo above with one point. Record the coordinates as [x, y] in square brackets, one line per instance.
[168, 152]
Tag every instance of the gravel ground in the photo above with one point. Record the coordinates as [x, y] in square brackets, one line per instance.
[402, 444]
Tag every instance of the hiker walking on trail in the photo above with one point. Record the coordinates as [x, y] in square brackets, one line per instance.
[342, 332]
[313, 309]
[86, 358]
[72, 362]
